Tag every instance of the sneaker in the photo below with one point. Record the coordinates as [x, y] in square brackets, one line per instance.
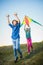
[28, 53]
[16, 60]
[21, 56]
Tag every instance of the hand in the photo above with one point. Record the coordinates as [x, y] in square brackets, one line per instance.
[25, 16]
[17, 17]
[8, 19]
[8, 16]
[15, 14]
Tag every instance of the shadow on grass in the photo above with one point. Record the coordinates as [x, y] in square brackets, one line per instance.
[36, 51]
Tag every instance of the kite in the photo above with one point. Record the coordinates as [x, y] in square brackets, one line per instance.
[37, 22]
[27, 20]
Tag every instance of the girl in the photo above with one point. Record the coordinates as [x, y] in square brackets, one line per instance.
[28, 37]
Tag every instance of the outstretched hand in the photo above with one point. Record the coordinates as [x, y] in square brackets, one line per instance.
[8, 19]
[15, 14]
[25, 16]
[8, 16]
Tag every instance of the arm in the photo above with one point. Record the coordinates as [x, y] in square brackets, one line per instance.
[8, 19]
[17, 18]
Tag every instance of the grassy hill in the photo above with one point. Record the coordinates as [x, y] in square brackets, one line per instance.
[35, 58]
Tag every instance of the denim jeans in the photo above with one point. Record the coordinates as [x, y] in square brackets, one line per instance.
[16, 47]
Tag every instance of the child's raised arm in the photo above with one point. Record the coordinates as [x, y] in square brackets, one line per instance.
[17, 17]
[8, 19]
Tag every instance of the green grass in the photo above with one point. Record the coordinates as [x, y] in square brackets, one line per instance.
[35, 58]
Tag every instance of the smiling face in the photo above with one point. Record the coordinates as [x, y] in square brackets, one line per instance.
[14, 22]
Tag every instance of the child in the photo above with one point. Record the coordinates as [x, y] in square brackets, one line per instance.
[15, 36]
[28, 37]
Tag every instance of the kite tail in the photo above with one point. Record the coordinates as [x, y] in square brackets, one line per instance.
[37, 22]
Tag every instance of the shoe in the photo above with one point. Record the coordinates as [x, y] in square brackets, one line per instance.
[21, 56]
[16, 60]
[28, 53]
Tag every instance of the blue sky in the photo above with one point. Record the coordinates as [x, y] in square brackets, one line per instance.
[31, 8]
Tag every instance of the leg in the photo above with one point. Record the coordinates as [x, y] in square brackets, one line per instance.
[28, 45]
[18, 47]
[15, 50]
[31, 45]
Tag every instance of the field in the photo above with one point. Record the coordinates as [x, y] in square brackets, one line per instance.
[35, 58]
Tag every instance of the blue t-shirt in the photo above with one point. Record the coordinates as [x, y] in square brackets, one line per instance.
[15, 30]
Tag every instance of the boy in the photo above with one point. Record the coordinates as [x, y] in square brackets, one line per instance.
[15, 36]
